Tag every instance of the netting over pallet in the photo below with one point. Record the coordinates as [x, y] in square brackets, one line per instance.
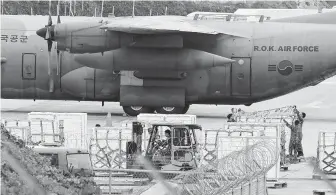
[219, 143]
[228, 172]
[277, 115]
[326, 152]
[108, 146]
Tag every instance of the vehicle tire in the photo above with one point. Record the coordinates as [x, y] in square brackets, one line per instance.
[172, 110]
[136, 110]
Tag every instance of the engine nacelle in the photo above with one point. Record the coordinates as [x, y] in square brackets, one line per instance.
[84, 37]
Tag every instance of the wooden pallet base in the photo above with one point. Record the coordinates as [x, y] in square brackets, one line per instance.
[118, 191]
[276, 185]
[322, 191]
[319, 177]
[284, 167]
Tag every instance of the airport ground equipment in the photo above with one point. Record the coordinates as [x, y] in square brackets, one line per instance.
[50, 142]
[73, 160]
[181, 154]
[326, 155]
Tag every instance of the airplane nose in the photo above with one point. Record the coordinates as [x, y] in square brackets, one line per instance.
[42, 32]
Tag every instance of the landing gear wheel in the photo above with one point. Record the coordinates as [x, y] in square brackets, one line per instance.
[172, 110]
[136, 110]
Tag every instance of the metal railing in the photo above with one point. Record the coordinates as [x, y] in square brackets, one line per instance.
[326, 152]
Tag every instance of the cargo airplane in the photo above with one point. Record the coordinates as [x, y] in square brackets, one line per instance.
[164, 63]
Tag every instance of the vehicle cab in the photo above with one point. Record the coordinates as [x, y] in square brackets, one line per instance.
[178, 151]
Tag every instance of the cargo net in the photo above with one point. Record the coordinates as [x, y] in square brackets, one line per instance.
[237, 168]
[271, 115]
[108, 146]
[276, 115]
[326, 152]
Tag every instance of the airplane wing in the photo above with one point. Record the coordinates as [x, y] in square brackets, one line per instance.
[164, 25]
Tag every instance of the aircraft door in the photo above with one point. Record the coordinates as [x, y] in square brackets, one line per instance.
[28, 66]
[29, 74]
[241, 76]
[90, 84]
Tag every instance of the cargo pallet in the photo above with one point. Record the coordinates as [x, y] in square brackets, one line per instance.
[319, 177]
[285, 167]
[322, 191]
[276, 184]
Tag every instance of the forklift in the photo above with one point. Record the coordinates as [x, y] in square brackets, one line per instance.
[179, 151]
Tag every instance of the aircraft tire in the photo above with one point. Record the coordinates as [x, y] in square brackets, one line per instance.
[172, 110]
[136, 110]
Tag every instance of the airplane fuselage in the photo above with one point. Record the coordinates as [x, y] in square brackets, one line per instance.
[278, 59]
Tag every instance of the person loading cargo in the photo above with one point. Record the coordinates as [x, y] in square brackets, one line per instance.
[300, 116]
[293, 143]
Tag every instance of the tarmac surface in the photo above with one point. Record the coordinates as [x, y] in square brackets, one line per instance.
[298, 177]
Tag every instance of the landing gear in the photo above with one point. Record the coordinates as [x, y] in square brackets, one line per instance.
[172, 110]
[136, 110]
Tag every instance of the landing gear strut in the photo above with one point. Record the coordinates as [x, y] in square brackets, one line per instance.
[172, 110]
[136, 110]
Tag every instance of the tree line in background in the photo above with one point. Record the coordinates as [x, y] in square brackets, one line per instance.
[141, 8]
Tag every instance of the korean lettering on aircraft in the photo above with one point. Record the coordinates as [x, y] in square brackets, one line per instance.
[295, 48]
[14, 38]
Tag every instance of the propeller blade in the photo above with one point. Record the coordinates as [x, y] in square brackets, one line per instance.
[51, 84]
[47, 35]
[49, 20]
[58, 60]
[49, 62]
[49, 44]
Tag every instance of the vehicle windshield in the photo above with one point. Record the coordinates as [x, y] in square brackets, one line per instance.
[79, 161]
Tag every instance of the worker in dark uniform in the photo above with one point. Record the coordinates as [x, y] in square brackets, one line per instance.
[300, 117]
[230, 118]
[293, 138]
[167, 143]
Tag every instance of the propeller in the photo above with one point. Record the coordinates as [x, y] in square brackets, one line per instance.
[48, 33]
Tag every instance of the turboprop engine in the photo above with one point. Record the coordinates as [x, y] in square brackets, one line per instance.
[82, 37]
